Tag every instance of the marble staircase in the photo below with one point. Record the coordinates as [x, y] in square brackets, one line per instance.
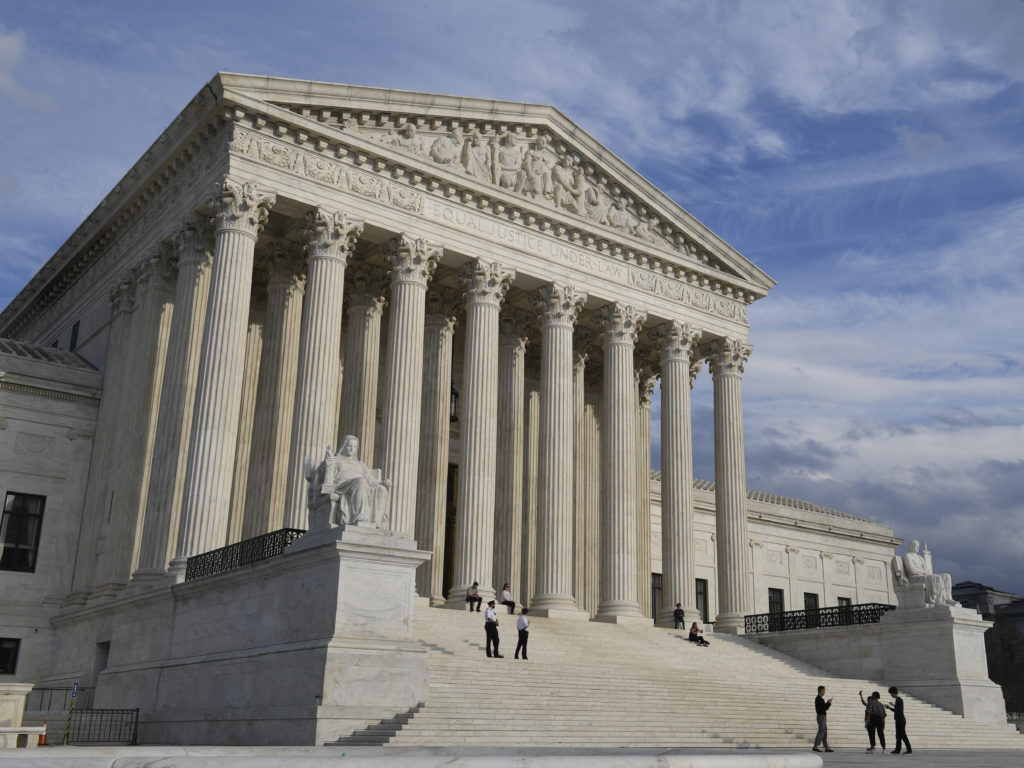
[595, 685]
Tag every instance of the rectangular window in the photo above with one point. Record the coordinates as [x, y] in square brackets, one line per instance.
[844, 602]
[9, 655]
[776, 607]
[702, 599]
[19, 531]
[810, 601]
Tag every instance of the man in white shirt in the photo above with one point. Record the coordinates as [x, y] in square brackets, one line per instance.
[491, 630]
[523, 625]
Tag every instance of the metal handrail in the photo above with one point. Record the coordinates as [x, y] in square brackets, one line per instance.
[833, 616]
[243, 553]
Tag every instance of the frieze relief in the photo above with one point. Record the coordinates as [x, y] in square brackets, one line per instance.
[532, 182]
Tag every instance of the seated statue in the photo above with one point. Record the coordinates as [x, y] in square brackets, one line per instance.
[915, 584]
[343, 490]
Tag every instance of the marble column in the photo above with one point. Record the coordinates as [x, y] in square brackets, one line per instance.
[485, 286]
[618, 468]
[646, 380]
[508, 501]
[592, 510]
[140, 399]
[109, 430]
[828, 596]
[163, 500]
[366, 302]
[580, 459]
[726, 359]
[558, 306]
[275, 399]
[434, 435]
[531, 447]
[678, 342]
[241, 210]
[330, 237]
[247, 410]
[412, 264]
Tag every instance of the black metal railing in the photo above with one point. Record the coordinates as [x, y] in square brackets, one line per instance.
[104, 726]
[243, 553]
[56, 699]
[833, 616]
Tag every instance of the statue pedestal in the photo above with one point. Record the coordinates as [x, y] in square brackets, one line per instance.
[299, 649]
[938, 654]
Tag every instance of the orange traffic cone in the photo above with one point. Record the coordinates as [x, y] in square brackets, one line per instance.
[42, 736]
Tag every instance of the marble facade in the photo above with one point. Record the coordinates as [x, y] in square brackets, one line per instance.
[479, 292]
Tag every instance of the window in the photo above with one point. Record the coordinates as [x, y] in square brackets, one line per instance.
[776, 600]
[702, 599]
[810, 601]
[19, 531]
[844, 602]
[9, 655]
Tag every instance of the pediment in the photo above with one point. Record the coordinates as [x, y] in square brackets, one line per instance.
[526, 153]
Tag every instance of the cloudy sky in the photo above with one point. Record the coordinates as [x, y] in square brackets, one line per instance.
[866, 155]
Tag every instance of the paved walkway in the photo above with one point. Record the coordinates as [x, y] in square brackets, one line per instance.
[497, 757]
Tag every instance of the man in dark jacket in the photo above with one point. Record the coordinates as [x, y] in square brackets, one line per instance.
[901, 720]
[821, 711]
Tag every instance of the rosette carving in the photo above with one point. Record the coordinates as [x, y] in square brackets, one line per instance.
[728, 356]
[559, 304]
[241, 206]
[412, 259]
[330, 234]
[622, 323]
[486, 282]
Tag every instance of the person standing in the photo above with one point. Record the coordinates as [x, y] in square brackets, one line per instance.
[491, 630]
[876, 719]
[506, 599]
[473, 596]
[679, 616]
[821, 712]
[900, 720]
[523, 625]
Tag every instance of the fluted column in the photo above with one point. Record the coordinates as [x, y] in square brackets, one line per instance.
[678, 342]
[579, 557]
[618, 468]
[646, 380]
[366, 302]
[434, 435]
[247, 411]
[592, 509]
[109, 430]
[140, 398]
[275, 400]
[174, 422]
[508, 500]
[330, 237]
[726, 359]
[531, 445]
[486, 284]
[412, 264]
[558, 306]
[241, 211]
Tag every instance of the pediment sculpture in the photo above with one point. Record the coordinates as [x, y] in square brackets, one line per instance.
[345, 491]
[916, 585]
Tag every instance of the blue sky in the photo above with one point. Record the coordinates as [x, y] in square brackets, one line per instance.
[867, 155]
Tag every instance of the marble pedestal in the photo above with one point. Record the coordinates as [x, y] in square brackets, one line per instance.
[300, 649]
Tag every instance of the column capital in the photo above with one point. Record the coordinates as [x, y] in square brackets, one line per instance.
[622, 323]
[825, 555]
[412, 259]
[240, 206]
[366, 287]
[726, 357]
[559, 304]
[646, 379]
[677, 341]
[486, 282]
[790, 549]
[285, 267]
[515, 324]
[194, 240]
[754, 544]
[157, 269]
[330, 234]
[122, 295]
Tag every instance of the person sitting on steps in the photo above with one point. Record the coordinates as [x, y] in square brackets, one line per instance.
[506, 599]
[473, 596]
[696, 635]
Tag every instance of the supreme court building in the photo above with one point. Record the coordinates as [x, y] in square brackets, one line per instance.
[479, 291]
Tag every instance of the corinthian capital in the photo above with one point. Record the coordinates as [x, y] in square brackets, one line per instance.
[622, 323]
[365, 286]
[122, 295]
[241, 206]
[486, 282]
[677, 341]
[330, 234]
[158, 268]
[559, 304]
[194, 241]
[412, 259]
[728, 356]
[646, 380]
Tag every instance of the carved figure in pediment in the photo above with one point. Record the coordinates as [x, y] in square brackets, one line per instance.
[618, 217]
[343, 490]
[447, 149]
[535, 177]
[406, 139]
[649, 229]
[476, 157]
[508, 161]
[569, 186]
[915, 584]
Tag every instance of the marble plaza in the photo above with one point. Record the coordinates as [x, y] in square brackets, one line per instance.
[425, 328]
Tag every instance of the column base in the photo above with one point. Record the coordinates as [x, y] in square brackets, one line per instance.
[456, 599]
[621, 613]
[154, 578]
[667, 619]
[730, 624]
[557, 609]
